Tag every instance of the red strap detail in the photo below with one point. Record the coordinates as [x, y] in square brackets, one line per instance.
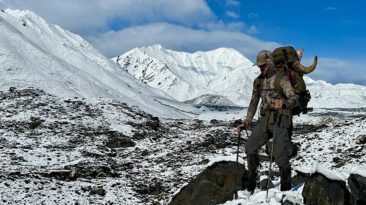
[289, 73]
[279, 65]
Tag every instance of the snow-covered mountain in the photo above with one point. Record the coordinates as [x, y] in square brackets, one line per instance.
[326, 95]
[34, 53]
[223, 72]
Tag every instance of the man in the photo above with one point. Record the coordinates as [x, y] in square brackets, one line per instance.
[275, 117]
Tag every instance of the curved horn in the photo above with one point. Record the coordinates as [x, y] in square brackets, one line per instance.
[303, 69]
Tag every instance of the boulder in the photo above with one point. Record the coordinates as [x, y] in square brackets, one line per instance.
[357, 184]
[153, 123]
[325, 122]
[319, 189]
[118, 142]
[98, 191]
[299, 178]
[12, 89]
[361, 139]
[35, 122]
[213, 186]
[214, 121]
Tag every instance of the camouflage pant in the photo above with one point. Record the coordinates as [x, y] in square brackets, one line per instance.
[282, 142]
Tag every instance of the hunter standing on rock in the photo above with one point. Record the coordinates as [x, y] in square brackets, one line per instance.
[276, 115]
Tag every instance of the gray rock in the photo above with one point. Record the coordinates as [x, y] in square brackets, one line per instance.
[357, 184]
[361, 139]
[153, 124]
[98, 191]
[214, 121]
[299, 178]
[213, 186]
[320, 190]
[116, 142]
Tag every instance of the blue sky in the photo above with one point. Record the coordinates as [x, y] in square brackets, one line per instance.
[333, 30]
[325, 27]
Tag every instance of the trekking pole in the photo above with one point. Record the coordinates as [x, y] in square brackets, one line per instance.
[270, 162]
[237, 166]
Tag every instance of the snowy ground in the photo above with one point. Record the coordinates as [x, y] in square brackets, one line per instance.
[67, 151]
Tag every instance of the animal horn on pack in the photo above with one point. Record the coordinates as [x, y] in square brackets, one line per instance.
[303, 69]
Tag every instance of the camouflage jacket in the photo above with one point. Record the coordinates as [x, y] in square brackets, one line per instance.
[268, 94]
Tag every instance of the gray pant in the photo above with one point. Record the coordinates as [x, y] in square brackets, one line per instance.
[282, 142]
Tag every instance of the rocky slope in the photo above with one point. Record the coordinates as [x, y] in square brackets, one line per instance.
[70, 151]
[58, 150]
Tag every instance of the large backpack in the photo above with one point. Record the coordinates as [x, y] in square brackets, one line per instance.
[287, 63]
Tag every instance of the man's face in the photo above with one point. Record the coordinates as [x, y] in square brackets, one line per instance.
[264, 69]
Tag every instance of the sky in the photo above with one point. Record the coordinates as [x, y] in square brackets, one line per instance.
[334, 30]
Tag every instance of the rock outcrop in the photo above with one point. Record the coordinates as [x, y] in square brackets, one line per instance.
[357, 184]
[319, 189]
[361, 139]
[213, 186]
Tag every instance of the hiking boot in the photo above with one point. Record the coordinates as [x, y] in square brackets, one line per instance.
[253, 162]
[244, 181]
[285, 173]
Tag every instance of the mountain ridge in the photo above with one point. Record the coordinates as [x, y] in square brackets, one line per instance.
[222, 72]
[34, 53]
[190, 75]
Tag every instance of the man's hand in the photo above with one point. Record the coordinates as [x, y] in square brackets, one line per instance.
[299, 53]
[241, 127]
[278, 104]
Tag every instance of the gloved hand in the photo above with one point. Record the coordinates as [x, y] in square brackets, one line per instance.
[278, 104]
[241, 127]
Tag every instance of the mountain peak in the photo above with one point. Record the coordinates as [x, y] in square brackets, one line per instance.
[38, 54]
[24, 14]
[222, 72]
[218, 51]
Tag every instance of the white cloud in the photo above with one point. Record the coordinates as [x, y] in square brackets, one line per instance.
[142, 20]
[178, 38]
[252, 30]
[337, 71]
[252, 15]
[220, 25]
[85, 16]
[330, 8]
[232, 14]
[232, 3]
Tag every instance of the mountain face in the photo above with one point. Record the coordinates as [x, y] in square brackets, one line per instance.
[224, 73]
[211, 100]
[326, 95]
[185, 76]
[34, 53]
